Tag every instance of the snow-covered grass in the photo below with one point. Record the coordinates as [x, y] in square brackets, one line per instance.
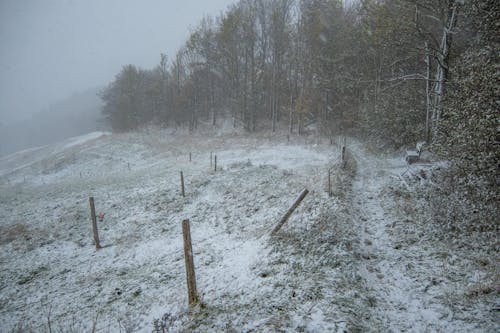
[333, 267]
[49, 262]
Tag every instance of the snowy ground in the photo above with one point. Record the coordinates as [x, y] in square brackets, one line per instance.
[342, 263]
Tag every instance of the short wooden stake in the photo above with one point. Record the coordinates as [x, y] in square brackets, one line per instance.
[188, 256]
[189, 157]
[182, 184]
[290, 211]
[329, 183]
[343, 156]
[215, 163]
[211, 160]
[94, 224]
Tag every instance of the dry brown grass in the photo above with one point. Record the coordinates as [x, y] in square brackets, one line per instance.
[13, 232]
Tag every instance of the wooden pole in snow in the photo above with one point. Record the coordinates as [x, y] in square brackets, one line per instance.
[189, 157]
[188, 256]
[343, 152]
[182, 184]
[343, 156]
[329, 183]
[285, 218]
[211, 160]
[215, 163]
[94, 223]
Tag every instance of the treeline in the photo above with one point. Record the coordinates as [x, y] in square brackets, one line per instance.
[379, 67]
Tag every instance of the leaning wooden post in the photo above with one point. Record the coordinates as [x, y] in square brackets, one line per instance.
[182, 184]
[290, 211]
[188, 256]
[94, 224]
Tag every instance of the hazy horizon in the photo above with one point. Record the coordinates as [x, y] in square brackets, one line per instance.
[53, 49]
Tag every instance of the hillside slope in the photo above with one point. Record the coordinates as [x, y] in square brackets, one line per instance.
[350, 262]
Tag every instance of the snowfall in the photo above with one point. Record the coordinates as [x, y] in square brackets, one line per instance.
[353, 260]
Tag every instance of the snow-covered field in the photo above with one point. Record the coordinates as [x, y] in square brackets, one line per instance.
[339, 264]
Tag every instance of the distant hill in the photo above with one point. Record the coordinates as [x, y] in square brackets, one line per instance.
[75, 115]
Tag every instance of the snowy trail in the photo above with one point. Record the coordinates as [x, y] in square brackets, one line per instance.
[398, 278]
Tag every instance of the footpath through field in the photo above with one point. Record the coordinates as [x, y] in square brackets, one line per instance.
[402, 275]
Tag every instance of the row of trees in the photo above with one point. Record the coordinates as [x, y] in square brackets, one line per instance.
[270, 63]
[377, 66]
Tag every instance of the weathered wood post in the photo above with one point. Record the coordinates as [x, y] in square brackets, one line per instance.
[189, 157]
[211, 160]
[329, 183]
[290, 211]
[94, 223]
[182, 184]
[188, 255]
[215, 163]
[343, 160]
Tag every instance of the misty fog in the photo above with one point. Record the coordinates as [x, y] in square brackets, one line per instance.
[51, 50]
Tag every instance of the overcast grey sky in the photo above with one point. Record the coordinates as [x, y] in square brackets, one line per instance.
[52, 48]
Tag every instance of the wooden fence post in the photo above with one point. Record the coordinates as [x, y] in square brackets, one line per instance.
[329, 183]
[188, 255]
[290, 211]
[343, 156]
[182, 184]
[94, 223]
[215, 163]
[343, 159]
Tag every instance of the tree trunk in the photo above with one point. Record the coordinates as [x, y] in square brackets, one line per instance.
[442, 67]
[427, 92]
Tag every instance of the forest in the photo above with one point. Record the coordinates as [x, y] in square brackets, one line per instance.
[393, 71]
